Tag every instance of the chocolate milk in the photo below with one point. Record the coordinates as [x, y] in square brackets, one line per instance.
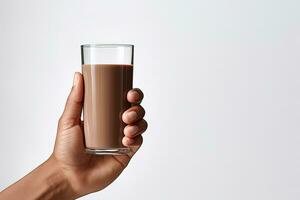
[105, 99]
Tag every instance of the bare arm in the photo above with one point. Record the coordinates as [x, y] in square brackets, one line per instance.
[45, 182]
[69, 172]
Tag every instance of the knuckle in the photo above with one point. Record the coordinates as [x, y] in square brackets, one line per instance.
[142, 111]
[65, 124]
[141, 140]
[139, 109]
[145, 124]
[140, 95]
[139, 91]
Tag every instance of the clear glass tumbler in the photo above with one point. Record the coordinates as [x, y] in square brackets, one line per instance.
[107, 72]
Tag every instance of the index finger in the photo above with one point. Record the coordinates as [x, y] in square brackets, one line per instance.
[135, 95]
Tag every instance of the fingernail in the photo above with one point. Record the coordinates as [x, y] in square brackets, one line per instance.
[130, 141]
[132, 115]
[135, 93]
[133, 130]
[136, 96]
[75, 79]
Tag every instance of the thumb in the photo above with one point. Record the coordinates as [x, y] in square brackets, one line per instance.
[73, 107]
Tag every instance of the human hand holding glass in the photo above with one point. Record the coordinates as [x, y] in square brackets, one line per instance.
[70, 172]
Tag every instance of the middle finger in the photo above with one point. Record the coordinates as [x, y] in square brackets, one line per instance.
[133, 114]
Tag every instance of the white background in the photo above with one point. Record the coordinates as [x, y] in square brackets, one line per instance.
[221, 83]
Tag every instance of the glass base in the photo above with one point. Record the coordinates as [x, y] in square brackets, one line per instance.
[108, 151]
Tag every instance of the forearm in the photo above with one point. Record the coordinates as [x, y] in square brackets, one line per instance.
[45, 182]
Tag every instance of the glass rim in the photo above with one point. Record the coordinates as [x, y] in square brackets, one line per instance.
[105, 45]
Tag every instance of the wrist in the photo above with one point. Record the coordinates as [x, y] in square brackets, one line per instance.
[56, 181]
[47, 181]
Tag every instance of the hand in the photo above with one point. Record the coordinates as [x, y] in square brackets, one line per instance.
[90, 173]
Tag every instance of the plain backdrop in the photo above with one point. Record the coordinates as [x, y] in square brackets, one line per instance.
[221, 83]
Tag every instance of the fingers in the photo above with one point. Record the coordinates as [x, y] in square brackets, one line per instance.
[134, 147]
[133, 138]
[135, 96]
[131, 131]
[73, 105]
[133, 143]
[136, 125]
[133, 114]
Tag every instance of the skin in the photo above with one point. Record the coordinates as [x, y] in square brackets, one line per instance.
[69, 172]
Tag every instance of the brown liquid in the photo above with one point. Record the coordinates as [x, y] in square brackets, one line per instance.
[105, 92]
